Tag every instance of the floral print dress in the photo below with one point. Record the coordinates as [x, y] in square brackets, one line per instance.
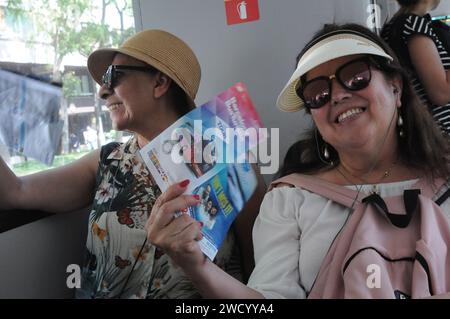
[119, 262]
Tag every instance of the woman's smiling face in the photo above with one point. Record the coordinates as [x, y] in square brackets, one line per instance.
[356, 119]
[131, 101]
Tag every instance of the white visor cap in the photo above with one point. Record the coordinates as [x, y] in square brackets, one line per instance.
[331, 47]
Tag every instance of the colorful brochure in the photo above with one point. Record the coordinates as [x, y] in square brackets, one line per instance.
[212, 147]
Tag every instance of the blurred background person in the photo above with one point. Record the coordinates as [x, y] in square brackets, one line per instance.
[411, 35]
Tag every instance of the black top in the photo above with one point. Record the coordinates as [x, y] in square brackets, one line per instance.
[397, 33]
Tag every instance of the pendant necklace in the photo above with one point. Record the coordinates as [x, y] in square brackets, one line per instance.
[374, 186]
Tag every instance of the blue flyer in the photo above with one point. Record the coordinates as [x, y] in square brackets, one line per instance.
[212, 147]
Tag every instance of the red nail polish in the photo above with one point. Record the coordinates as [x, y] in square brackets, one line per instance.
[184, 183]
[197, 197]
[201, 224]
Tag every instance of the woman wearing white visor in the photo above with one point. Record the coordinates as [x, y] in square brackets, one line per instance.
[370, 135]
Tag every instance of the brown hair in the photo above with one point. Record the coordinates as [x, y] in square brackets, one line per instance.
[180, 99]
[423, 147]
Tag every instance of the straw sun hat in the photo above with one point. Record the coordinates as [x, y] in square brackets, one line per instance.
[160, 49]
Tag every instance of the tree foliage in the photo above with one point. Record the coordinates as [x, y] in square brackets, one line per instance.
[71, 84]
[73, 26]
[70, 26]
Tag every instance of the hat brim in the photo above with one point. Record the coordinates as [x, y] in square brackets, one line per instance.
[99, 61]
[330, 48]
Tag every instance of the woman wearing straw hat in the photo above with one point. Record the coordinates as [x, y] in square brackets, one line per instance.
[147, 84]
[371, 135]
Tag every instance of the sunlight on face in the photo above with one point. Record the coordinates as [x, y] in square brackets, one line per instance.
[130, 102]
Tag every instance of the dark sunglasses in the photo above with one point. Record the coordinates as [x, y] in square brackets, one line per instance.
[113, 73]
[354, 75]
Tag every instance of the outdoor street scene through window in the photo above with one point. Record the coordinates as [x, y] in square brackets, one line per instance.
[50, 111]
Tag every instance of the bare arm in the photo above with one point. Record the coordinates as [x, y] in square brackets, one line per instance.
[62, 189]
[212, 282]
[243, 225]
[178, 238]
[427, 63]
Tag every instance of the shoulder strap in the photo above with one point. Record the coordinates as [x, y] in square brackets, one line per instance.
[346, 196]
[340, 194]
[443, 197]
[429, 187]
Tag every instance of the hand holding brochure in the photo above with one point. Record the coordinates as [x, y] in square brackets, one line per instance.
[210, 146]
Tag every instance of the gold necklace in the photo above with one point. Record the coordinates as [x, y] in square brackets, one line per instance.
[374, 187]
[348, 180]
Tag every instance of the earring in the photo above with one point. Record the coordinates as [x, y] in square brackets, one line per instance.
[401, 133]
[326, 153]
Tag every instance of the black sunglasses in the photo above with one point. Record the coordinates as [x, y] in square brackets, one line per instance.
[113, 73]
[354, 75]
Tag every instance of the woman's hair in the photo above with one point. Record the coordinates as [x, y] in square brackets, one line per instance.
[423, 145]
[180, 100]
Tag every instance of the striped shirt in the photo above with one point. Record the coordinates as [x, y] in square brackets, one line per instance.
[407, 26]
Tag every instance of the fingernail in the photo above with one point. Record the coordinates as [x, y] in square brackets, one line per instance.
[184, 183]
[196, 196]
[201, 224]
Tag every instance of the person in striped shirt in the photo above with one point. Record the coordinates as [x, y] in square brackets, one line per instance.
[412, 37]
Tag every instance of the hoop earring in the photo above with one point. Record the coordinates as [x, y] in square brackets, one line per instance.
[401, 133]
[323, 153]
